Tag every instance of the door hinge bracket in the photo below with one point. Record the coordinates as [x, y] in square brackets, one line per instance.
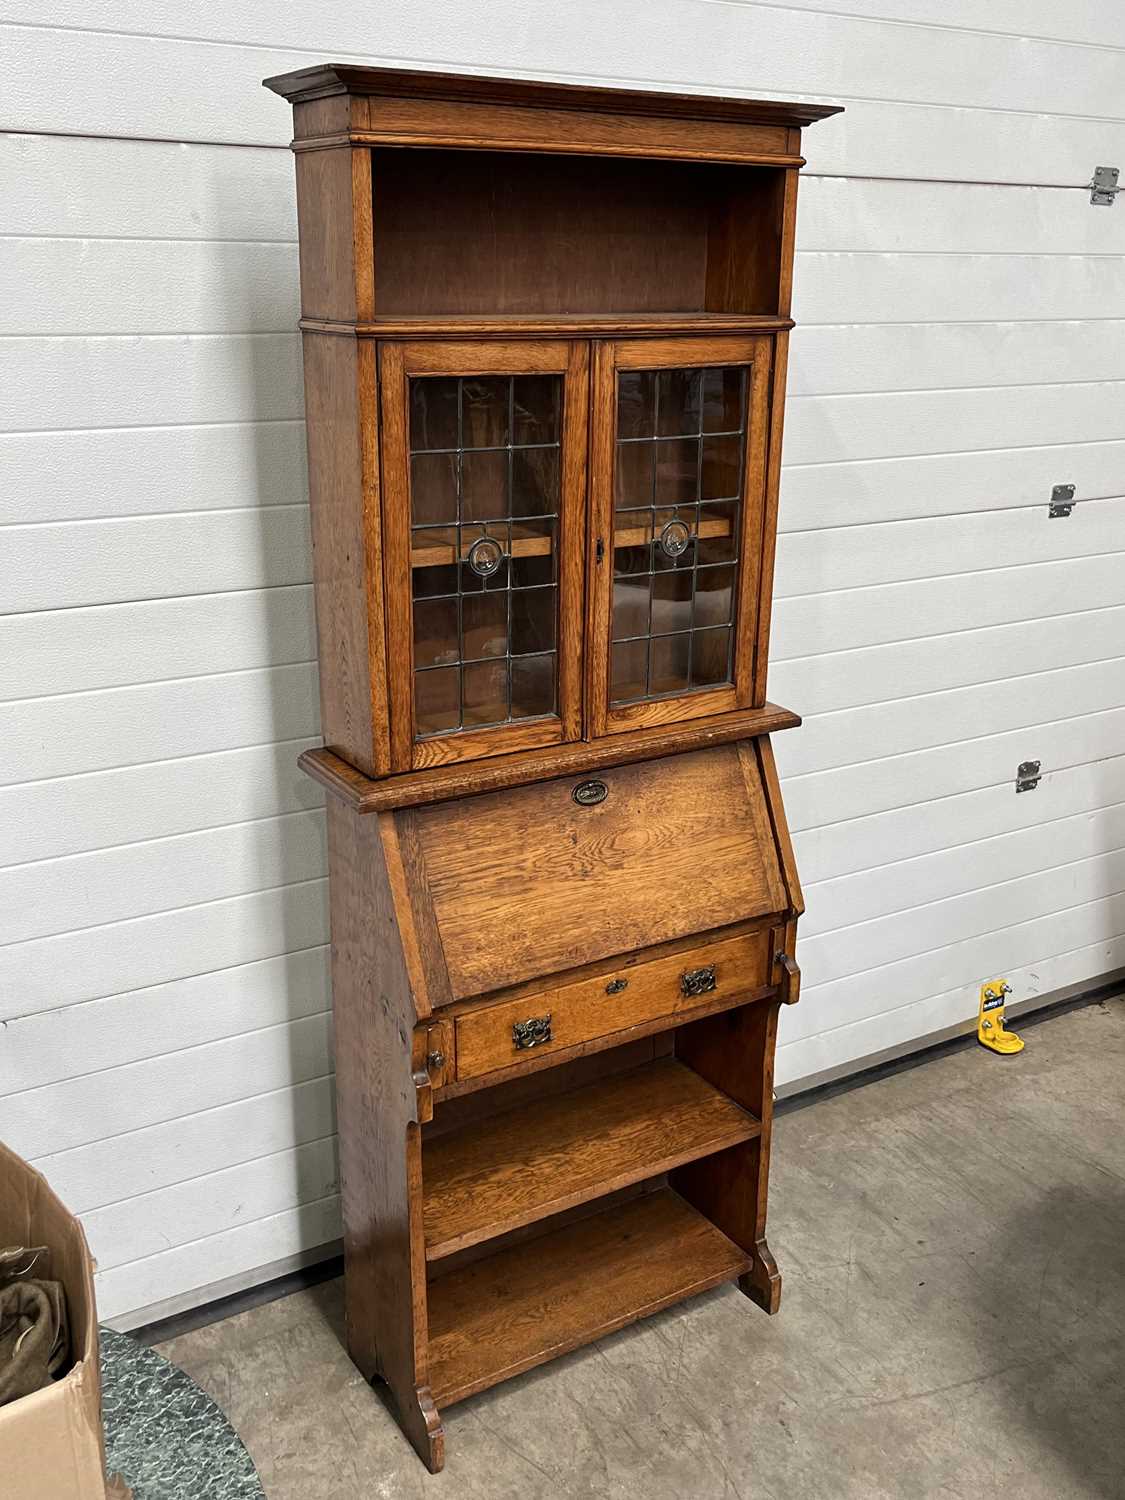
[1028, 775]
[1062, 501]
[1103, 188]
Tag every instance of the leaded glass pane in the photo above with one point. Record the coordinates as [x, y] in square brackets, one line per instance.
[484, 467]
[678, 478]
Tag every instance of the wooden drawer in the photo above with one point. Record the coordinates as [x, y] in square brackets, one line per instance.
[498, 1036]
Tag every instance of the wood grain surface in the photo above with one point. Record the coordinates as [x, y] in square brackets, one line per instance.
[528, 1163]
[736, 1052]
[516, 1309]
[330, 79]
[445, 783]
[590, 1009]
[526, 882]
[380, 1132]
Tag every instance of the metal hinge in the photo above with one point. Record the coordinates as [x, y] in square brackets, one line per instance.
[1104, 189]
[1062, 501]
[1028, 775]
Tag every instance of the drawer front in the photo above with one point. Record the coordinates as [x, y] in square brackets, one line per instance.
[498, 1036]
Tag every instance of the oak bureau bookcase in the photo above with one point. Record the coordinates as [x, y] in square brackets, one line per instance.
[545, 335]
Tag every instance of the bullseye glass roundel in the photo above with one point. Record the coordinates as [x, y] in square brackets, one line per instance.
[485, 556]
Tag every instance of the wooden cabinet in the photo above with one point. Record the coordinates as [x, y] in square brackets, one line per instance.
[545, 335]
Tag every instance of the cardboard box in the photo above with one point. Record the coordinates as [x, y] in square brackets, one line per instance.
[51, 1444]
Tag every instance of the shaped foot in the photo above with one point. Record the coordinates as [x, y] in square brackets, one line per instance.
[762, 1282]
[421, 1421]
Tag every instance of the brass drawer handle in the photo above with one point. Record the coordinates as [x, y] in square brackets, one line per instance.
[532, 1033]
[698, 981]
[615, 986]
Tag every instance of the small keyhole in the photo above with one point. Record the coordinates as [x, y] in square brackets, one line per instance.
[599, 551]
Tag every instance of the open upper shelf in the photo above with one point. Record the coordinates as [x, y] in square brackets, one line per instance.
[516, 1167]
[513, 1310]
[493, 234]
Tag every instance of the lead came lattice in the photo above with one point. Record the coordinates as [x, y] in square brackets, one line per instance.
[484, 480]
[680, 448]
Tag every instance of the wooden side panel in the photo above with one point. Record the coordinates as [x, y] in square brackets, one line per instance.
[328, 116]
[768, 545]
[745, 246]
[528, 882]
[735, 1052]
[324, 224]
[345, 535]
[785, 218]
[363, 234]
[766, 776]
[380, 1130]
[784, 221]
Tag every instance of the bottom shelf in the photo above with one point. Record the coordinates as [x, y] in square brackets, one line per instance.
[522, 1306]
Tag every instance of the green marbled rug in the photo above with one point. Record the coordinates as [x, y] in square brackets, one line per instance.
[163, 1434]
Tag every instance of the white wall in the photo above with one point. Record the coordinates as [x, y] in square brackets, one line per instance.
[165, 1049]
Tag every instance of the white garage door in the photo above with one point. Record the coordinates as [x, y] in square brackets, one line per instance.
[166, 1052]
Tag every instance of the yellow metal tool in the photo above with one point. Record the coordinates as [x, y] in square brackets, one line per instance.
[990, 1021]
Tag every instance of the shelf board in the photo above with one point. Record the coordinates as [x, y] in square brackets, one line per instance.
[437, 555]
[503, 1315]
[637, 536]
[441, 554]
[566, 1149]
[559, 325]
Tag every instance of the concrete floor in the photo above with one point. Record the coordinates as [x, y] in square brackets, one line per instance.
[953, 1245]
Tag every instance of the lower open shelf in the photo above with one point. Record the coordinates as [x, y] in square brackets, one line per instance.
[565, 1149]
[497, 1317]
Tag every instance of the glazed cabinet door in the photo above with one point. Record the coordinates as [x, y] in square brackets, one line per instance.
[678, 493]
[483, 470]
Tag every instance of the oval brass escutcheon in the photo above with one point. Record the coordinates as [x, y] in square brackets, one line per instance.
[590, 793]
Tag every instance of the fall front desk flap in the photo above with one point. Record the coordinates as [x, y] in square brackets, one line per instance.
[540, 879]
